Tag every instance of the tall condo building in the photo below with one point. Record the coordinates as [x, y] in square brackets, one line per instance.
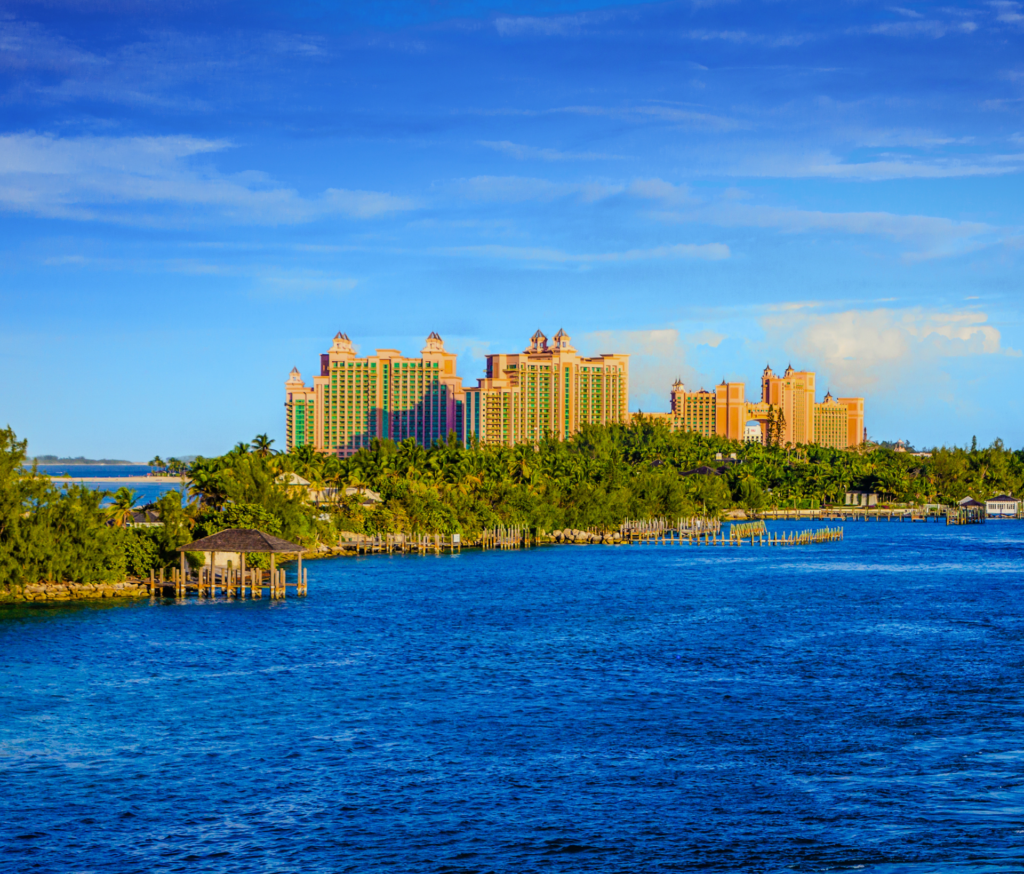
[546, 389]
[355, 399]
[787, 401]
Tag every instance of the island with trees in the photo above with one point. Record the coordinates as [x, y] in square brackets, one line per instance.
[595, 480]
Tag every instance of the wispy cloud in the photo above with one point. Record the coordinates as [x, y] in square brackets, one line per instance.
[680, 115]
[743, 37]
[165, 68]
[300, 283]
[918, 27]
[551, 25]
[533, 153]
[930, 236]
[700, 251]
[825, 165]
[1008, 12]
[95, 178]
[519, 189]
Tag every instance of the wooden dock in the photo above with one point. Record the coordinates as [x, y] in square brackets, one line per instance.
[231, 583]
[934, 513]
[515, 537]
[700, 531]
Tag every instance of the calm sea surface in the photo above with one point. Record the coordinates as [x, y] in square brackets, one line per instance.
[95, 474]
[854, 705]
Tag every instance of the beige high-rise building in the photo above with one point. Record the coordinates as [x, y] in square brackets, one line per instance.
[787, 401]
[387, 394]
[546, 389]
[722, 411]
[793, 393]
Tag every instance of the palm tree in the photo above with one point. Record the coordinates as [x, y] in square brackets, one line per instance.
[123, 508]
[261, 444]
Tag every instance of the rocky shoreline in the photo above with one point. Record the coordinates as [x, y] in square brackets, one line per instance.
[133, 588]
[73, 591]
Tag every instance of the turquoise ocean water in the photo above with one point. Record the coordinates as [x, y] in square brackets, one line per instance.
[96, 474]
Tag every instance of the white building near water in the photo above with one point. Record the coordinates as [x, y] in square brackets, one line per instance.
[1002, 507]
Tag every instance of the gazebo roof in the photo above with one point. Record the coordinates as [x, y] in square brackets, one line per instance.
[240, 540]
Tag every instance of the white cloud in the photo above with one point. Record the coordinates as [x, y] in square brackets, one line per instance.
[703, 252]
[659, 189]
[1008, 12]
[705, 338]
[99, 177]
[528, 153]
[882, 349]
[657, 359]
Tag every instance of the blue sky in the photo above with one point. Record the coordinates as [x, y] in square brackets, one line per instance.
[194, 197]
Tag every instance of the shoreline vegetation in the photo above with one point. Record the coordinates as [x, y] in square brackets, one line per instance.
[592, 482]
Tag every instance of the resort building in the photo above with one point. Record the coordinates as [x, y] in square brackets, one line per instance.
[387, 394]
[1002, 507]
[787, 409]
[722, 411]
[546, 389]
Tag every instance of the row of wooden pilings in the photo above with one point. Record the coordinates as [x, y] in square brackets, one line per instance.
[514, 537]
[661, 529]
[232, 582]
[420, 543]
[860, 514]
[712, 537]
[965, 516]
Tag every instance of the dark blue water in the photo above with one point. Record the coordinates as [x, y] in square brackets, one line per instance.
[854, 705]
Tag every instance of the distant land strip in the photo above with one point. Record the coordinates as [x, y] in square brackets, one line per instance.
[53, 459]
[120, 480]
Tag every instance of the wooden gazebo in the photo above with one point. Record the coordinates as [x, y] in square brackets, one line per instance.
[242, 541]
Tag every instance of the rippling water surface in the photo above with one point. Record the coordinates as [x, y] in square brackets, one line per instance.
[853, 705]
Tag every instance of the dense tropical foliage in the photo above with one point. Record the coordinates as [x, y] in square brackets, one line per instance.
[595, 480]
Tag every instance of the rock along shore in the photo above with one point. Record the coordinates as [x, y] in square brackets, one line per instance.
[73, 591]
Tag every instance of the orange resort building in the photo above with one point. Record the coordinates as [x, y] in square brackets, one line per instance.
[547, 388]
[786, 412]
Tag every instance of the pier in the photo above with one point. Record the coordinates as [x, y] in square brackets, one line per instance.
[208, 579]
[514, 537]
[704, 531]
